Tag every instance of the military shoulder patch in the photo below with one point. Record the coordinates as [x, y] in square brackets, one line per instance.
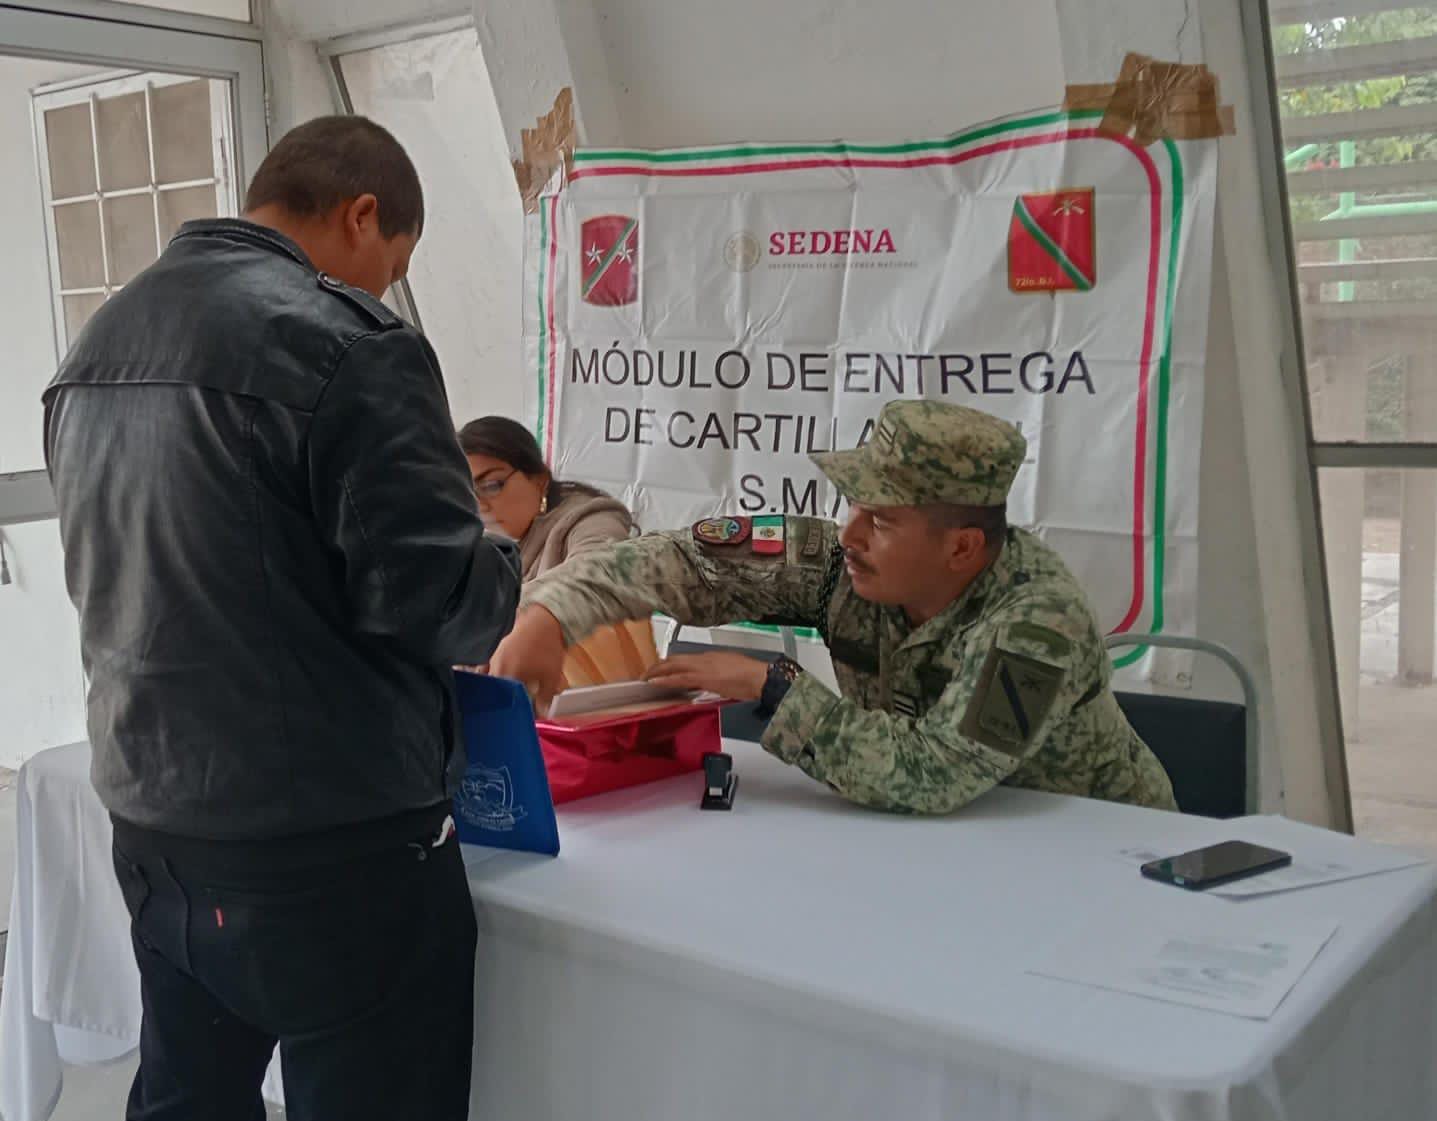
[905, 704]
[722, 531]
[1035, 640]
[807, 542]
[1020, 680]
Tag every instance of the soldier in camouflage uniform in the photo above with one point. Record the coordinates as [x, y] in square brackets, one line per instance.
[965, 652]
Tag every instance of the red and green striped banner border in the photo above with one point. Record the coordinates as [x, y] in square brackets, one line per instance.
[759, 158]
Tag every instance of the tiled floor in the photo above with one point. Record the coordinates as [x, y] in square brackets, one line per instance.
[1392, 766]
[1391, 748]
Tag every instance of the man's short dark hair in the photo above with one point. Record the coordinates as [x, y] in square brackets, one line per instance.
[992, 520]
[330, 160]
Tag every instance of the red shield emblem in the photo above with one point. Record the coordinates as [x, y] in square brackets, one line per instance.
[610, 255]
[1052, 245]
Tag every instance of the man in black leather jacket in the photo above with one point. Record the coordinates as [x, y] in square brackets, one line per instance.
[272, 540]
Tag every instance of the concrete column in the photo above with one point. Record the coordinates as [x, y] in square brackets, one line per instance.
[1418, 581]
[1339, 408]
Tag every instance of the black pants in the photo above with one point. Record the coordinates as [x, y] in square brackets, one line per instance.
[353, 952]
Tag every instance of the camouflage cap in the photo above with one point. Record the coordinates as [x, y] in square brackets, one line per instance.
[926, 451]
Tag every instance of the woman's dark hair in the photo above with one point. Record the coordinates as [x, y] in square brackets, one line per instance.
[500, 438]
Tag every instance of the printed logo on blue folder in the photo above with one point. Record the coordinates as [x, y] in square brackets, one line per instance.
[503, 801]
[486, 798]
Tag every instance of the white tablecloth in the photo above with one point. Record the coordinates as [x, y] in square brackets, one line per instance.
[801, 959]
[798, 958]
[72, 990]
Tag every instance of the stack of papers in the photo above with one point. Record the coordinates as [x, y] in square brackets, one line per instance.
[617, 698]
[622, 652]
[1244, 972]
[603, 677]
[1242, 961]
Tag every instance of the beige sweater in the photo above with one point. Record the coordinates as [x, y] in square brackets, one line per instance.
[579, 523]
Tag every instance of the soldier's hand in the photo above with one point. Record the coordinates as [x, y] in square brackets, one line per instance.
[533, 655]
[735, 676]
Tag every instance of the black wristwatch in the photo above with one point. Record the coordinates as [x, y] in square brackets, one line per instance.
[781, 674]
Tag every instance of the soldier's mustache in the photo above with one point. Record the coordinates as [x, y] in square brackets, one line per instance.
[852, 558]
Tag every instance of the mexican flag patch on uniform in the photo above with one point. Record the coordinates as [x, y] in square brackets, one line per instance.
[768, 534]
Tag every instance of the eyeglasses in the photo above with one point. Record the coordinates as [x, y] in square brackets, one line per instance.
[492, 488]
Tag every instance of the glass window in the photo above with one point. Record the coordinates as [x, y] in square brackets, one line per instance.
[127, 160]
[1381, 544]
[466, 274]
[27, 309]
[90, 169]
[220, 9]
[1357, 92]
[1357, 95]
[103, 167]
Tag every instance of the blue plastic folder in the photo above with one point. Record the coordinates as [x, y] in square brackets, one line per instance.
[504, 800]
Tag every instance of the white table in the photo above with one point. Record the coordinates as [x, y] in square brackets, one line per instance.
[802, 959]
[799, 958]
[72, 990]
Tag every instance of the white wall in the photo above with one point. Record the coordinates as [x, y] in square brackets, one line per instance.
[685, 72]
[325, 19]
[1291, 624]
[41, 688]
[298, 88]
[1228, 587]
[688, 73]
[467, 270]
[1259, 582]
[658, 72]
[669, 72]
[221, 9]
[26, 314]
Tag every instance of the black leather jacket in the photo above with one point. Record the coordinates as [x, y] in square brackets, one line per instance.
[271, 537]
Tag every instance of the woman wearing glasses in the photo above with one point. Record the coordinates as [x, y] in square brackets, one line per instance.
[519, 497]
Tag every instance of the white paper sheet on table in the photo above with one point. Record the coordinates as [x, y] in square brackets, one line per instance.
[595, 698]
[1241, 973]
[1301, 873]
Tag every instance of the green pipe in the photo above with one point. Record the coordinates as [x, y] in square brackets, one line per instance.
[1299, 154]
[1383, 209]
[1346, 202]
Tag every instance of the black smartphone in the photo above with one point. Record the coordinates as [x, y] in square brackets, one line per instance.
[1216, 864]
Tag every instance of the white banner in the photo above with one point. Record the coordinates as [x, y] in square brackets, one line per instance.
[698, 320]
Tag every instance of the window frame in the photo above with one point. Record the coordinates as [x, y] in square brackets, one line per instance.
[1258, 20]
[124, 36]
[1267, 84]
[148, 15]
[332, 53]
[87, 91]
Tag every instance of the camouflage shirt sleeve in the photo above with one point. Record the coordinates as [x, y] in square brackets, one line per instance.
[1043, 653]
[695, 583]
